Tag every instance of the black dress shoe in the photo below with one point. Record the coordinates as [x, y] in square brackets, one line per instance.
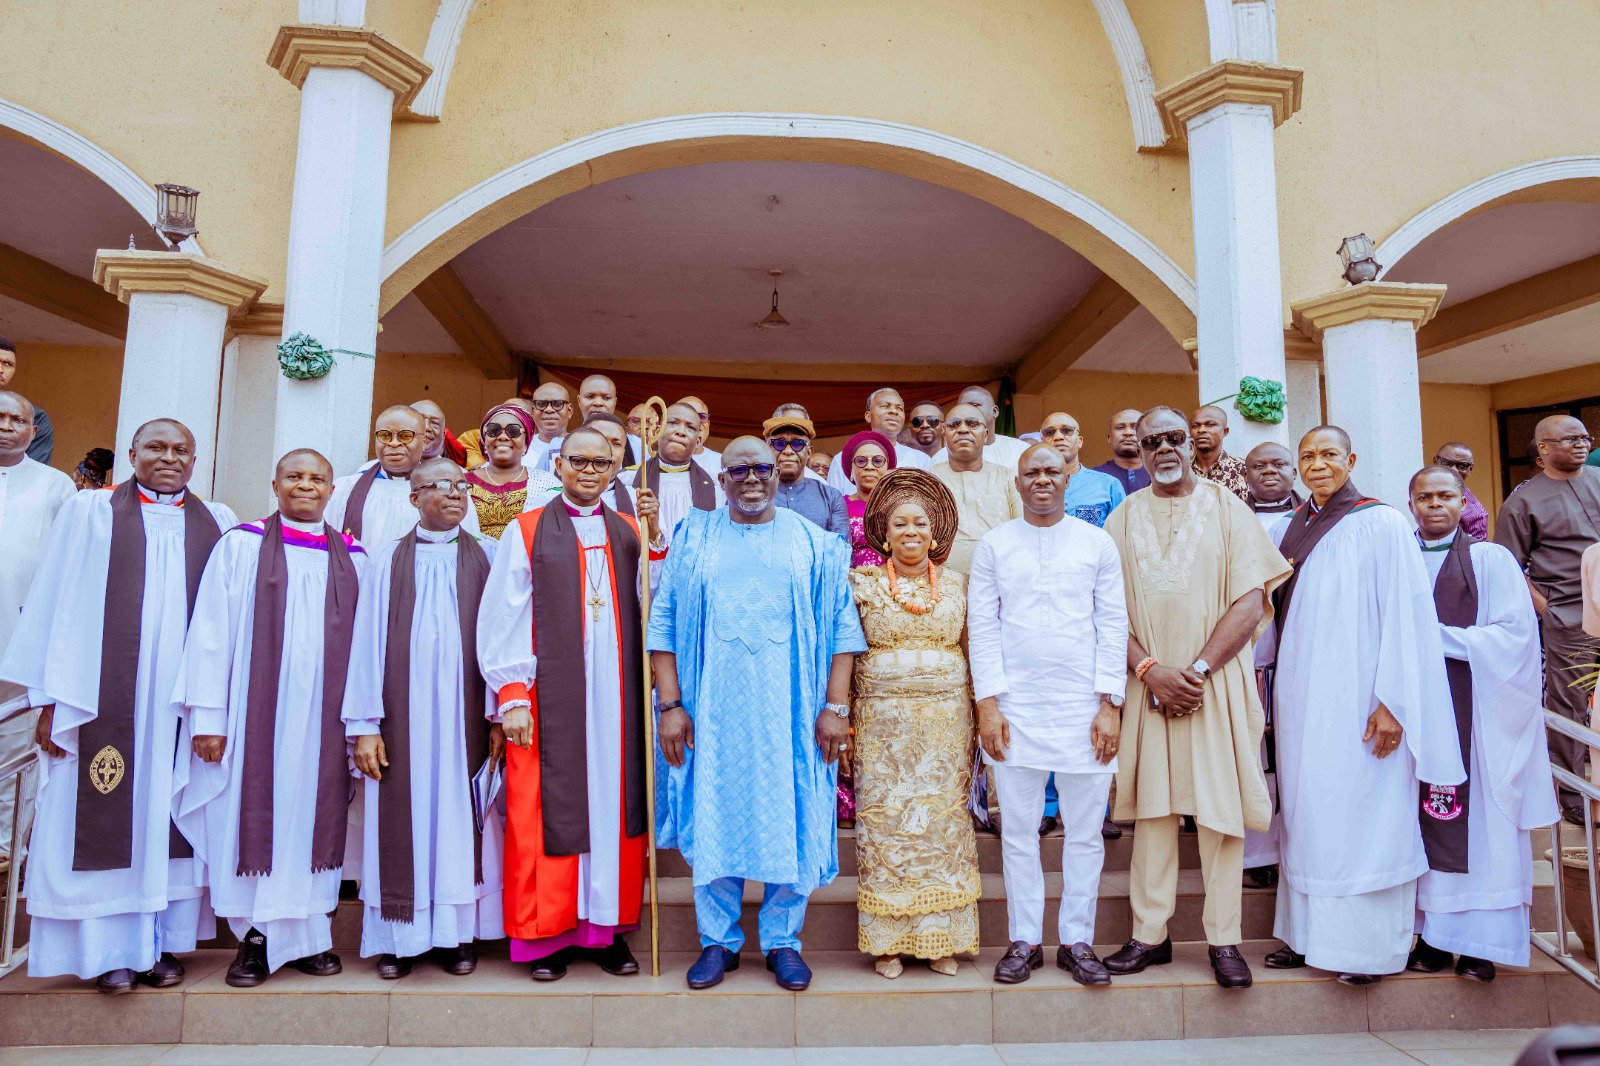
[1572, 813]
[1285, 958]
[1425, 958]
[1261, 876]
[1018, 963]
[393, 967]
[322, 964]
[708, 969]
[1186, 824]
[1110, 830]
[1135, 955]
[249, 967]
[551, 967]
[616, 959]
[1474, 969]
[116, 982]
[459, 961]
[1229, 967]
[1083, 964]
[167, 972]
[1048, 824]
[1359, 980]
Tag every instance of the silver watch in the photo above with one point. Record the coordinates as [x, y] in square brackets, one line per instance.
[1201, 667]
[840, 709]
[1115, 701]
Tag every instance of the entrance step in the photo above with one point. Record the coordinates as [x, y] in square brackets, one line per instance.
[848, 1005]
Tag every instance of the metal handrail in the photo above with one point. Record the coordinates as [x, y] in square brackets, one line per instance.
[1555, 944]
[12, 956]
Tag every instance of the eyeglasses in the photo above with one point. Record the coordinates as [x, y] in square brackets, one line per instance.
[1173, 438]
[510, 431]
[584, 462]
[551, 405]
[875, 462]
[742, 472]
[395, 436]
[1049, 432]
[797, 446]
[1463, 465]
[926, 422]
[968, 423]
[705, 416]
[635, 423]
[1569, 442]
[445, 485]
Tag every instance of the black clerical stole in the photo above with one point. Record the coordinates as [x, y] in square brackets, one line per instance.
[1444, 807]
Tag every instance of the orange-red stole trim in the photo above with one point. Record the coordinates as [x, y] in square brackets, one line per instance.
[541, 891]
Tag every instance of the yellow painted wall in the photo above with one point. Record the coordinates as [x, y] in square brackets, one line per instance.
[79, 387]
[1464, 413]
[451, 381]
[1559, 387]
[1093, 396]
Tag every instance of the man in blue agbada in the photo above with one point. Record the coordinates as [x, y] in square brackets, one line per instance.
[753, 635]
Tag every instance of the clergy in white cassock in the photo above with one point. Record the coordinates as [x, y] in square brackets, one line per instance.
[111, 887]
[415, 704]
[1359, 663]
[671, 479]
[1047, 626]
[559, 641]
[374, 504]
[30, 495]
[617, 495]
[259, 693]
[1478, 890]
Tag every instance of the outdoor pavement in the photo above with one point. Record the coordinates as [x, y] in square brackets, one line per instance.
[1484, 1047]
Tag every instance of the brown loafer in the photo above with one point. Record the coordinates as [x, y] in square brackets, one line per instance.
[1019, 962]
[1135, 955]
[1229, 967]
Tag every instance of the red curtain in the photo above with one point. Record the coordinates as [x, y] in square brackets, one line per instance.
[740, 405]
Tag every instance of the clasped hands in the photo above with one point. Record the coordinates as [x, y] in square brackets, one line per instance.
[1178, 692]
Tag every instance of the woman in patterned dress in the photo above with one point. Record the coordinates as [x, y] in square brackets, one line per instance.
[867, 457]
[502, 485]
[918, 888]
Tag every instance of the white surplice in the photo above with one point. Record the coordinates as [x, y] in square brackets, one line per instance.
[505, 652]
[450, 908]
[1261, 846]
[1484, 912]
[388, 514]
[1361, 629]
[291, 905]
[674, 496]
[88, 922]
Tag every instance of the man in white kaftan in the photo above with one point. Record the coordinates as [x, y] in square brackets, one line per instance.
[1358, 661]
[1047, 626]
[263, 798]
[373, 505]
[1479, 908]
[448, 890]
[116, 917]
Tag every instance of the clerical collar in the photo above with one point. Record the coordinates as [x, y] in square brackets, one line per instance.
[1262, 507]
[665, 469]
[304, 527]
[437, 536]
[171, 499]
[578, 511]
[1440, 545]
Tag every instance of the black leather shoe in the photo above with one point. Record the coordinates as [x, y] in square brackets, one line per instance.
[1229, 967]
[1018, 963]
[1572, 813]
[1048, 824]
[1474, 969]
[249, 962]
[459, 961]
[1261, 876]
[789, 969]
[1135, 955]
[393, 967]
[551, 967]
[1425, 958]
[167, 972]
[713, 962]
[616, 959]
[1083, 964]
[116, 982]
[322, 964]
[1110, 830]
[1359, 980]
[1186, 824]
[1285, 958]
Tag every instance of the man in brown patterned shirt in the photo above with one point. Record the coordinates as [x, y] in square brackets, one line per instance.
[1208, 428]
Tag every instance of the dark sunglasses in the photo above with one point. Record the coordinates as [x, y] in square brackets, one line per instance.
[1174, 438]
[551, 405]
[969, 423]
[584, 462]
[510, 431]
[926, 422]
[1456, 464]
[778, 444]
[1057, 431]
[446, 486]
[742, 472]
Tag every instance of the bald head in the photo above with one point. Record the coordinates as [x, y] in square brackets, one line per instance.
[431, 470]
[16, 427]
[162, 455]
[1208, 427]
[1564, 444]
[1269, 472]
[303, 457]
[171, 424]
[401, 434]
[433, 416]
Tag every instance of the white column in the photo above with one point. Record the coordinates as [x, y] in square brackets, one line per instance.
[178, 310]
[1227, 114]
[1369, 356]
[248, 410]
[1303, 384]
[350, 81]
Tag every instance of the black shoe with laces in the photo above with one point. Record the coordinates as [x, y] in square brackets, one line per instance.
[458, 961]
[324, 964]
[1425, 958]
[551, 967]
[1110, 830]
[1018, 963]
[1285, 958]
[393, 967]
[167, 972]
[616, 959]
[1048, 824]
[249, 967]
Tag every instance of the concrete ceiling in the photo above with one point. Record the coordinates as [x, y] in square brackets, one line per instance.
[1558, 343]
[1137, 345]
[24, 324]
[1489, 251]
[409, 328]
[672, 265]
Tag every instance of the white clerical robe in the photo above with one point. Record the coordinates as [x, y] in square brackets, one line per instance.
[1484, 913]
[30, 496]
[88, 922]
[1261, 846]
[450, 908]
[904, 455]
[1047, 625]
[675, 498]
[388, 514]
[291, 905]
[1361, 629]
[505, 652]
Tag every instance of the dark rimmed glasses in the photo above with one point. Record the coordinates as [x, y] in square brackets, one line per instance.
[872, 462]
[742, 472]
[1173, 438]
[1463, 466]
[778, 444]
[1570, 442]
[395, 436]
[964, 423]
[447, 486]
[1051, 432]
[585, 462]
[551, 405]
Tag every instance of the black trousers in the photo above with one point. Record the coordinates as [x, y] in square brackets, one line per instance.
[1569, 653]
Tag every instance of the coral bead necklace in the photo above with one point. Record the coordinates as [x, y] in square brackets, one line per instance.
[913, 602]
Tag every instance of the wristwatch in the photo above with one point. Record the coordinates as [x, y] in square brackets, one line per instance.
[1201, 667]
[1115, 701]
[840, 709]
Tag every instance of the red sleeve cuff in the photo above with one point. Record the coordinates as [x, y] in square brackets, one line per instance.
[512, 692]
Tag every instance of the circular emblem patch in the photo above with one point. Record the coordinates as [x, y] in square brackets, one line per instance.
[106, 769]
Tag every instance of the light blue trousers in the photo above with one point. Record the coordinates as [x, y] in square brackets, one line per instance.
[716, 912]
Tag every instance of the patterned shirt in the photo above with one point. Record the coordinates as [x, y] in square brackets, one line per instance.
[1228, 472]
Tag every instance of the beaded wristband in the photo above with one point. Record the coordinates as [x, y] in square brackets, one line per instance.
[1144, 667]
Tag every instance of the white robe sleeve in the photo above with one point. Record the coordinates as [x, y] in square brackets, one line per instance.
[200, 698]
[334, 515]
[983, 623]
[1110, 622]
[363, 689]
[505, 623]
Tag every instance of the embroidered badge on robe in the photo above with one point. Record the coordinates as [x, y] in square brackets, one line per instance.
[106, 769]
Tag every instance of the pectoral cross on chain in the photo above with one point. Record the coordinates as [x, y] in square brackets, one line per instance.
[595, 603]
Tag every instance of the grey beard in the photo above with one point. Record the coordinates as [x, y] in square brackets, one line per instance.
[1168, 478]
[751, 509]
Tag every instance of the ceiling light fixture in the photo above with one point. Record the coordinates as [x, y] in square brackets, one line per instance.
[774, 319]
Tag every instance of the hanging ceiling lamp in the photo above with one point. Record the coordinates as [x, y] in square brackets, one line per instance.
[774, 319]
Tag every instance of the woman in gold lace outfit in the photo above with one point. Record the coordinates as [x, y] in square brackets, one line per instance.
[502, 485]
[919, 884]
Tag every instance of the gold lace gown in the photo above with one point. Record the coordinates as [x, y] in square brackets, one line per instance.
[919, 883]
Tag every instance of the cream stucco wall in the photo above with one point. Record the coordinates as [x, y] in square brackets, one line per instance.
[79, 387]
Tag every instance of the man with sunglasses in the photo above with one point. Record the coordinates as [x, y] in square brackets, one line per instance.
[1091, 495]
[374, 506]
[1456, 456]
[753, 635]
[811, 498]
[1546, 524]
[552, 410]
[925, 427]
[985, 492]
[997, 447]
[886, 414]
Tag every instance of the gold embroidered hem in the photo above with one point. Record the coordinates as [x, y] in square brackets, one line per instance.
[922, 936]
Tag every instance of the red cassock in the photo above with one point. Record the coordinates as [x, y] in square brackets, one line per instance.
[541, 889]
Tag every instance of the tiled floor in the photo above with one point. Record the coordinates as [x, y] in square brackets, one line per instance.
[1484, 1047]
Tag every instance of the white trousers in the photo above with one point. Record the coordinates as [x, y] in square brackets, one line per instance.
[1083, 810]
